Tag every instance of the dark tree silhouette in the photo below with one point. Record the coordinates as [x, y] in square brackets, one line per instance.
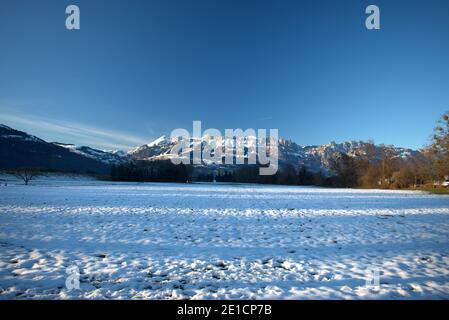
[26, 174]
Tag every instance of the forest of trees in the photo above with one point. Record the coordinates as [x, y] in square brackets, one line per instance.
[152, 171]
[287, 175]
[428, 168]
[377, 167]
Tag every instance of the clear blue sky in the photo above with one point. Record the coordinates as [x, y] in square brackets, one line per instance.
[138, 69]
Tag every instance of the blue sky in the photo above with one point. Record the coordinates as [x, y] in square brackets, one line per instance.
[138, 69]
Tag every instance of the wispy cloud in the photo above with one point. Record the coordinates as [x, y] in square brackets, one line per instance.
[71, 132]
[266, 118]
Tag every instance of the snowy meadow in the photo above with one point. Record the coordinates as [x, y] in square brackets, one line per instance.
[212, 241]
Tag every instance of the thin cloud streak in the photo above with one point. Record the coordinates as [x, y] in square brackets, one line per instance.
[63, 131]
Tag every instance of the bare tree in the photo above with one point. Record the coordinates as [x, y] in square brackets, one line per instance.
[26, 174]
[346, 169]
[437, 153]
[440, 146]
[365, 165]
[388, 164]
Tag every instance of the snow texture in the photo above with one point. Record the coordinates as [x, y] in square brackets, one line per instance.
[211, 241]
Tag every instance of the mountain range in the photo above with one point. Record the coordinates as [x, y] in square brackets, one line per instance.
[19, 149]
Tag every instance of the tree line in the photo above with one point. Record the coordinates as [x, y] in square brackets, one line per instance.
[286, 175]
[152, 171]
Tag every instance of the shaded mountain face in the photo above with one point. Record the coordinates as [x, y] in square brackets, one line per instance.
[21, 150]
[107, 157]
[313, 158]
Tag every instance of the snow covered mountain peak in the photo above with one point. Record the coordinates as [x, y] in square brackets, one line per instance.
[315, 158]
[158, 141]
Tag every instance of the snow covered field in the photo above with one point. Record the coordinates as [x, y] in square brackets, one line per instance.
[205, 241]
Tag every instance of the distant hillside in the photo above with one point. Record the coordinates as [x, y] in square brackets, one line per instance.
[19, 149]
